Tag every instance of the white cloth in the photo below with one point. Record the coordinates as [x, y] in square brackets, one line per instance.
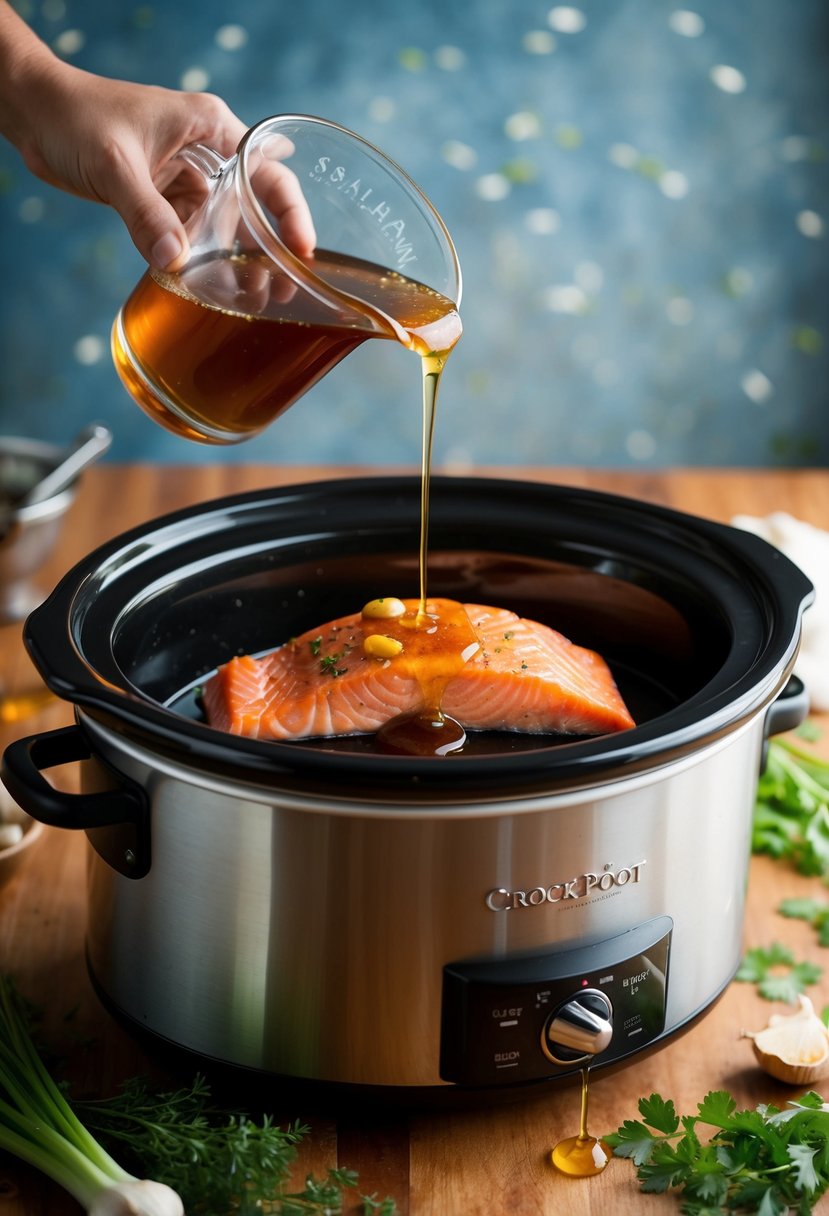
[808, 547]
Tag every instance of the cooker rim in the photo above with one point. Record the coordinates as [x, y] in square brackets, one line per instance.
[380, 802]
[53, 637]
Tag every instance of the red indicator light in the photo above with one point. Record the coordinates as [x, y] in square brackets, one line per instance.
[585, 983]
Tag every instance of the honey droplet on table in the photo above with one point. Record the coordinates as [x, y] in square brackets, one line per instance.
[583, 1155]
[580, 1156]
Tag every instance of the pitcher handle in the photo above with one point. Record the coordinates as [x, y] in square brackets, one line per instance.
[207, 160]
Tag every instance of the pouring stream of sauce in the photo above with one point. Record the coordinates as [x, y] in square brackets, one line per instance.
[451, 640]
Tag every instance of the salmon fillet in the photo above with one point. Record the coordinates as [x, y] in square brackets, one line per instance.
[489, 669]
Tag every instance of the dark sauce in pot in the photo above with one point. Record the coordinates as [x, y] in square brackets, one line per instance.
[425, 733]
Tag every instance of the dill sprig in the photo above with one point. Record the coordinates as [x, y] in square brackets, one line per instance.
[221, 1163]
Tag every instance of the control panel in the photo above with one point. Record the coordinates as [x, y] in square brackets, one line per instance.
[514, 1020]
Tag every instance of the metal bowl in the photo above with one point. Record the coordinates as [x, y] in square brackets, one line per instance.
[34, 530]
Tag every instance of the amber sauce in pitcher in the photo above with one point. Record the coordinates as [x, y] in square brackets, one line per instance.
[219, 350]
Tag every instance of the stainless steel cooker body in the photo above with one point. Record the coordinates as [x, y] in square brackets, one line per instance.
[311, 937]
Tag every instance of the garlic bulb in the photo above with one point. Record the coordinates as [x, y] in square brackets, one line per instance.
[794, 1047]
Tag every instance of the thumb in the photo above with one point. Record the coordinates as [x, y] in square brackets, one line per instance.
[156, 230]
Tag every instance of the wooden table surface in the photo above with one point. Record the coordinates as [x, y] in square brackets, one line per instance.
[435, 1164]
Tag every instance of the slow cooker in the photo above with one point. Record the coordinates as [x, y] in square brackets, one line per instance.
[485, 921]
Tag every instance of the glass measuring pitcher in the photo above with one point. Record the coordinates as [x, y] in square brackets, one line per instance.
[217, 350]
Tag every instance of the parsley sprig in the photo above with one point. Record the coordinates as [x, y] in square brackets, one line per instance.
[328, 662]
[328, 665]
[777, 976]
[791, 812]
[766, 1161]
[814, 911]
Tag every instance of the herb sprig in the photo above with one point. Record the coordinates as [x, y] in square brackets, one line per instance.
[814, 911]
[765, 1161]
[221, 1163]
[791, 812]
[777, 976]
[328, 665]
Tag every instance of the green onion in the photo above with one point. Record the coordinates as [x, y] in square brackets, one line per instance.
[38, 1125]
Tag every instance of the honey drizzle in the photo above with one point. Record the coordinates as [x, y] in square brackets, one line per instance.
[428, 731]
[437, 643]
[432, 365]
[581, 1156]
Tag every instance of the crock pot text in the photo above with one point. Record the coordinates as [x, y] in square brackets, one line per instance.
[501, 900]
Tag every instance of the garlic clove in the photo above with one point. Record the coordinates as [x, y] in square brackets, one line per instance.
[793, 1048]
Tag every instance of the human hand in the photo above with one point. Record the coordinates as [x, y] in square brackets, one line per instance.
[120, 145]
[116, 142]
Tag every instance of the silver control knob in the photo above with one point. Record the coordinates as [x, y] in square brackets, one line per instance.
[580, 1028]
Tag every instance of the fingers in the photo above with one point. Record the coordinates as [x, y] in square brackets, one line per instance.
[211, 121]
[141, 176]
[295, 223]
[169, 252]
[156, 230]
[280, 191]
[145, 183]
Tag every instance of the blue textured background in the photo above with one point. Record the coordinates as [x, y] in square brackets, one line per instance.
[638, 194]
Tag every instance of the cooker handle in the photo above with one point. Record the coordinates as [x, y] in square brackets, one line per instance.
[116, 820]
[787, 712]
[790, 708]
